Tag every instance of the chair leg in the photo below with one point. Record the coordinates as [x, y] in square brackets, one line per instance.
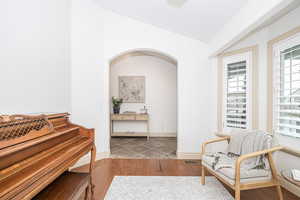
[237, 189]
[237, 194]
[278, 188]
[274, 175]
[202, 175]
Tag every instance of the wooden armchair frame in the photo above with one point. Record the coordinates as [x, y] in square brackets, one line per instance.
[238, 186]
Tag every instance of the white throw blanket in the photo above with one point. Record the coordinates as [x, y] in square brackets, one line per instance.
[244, 143]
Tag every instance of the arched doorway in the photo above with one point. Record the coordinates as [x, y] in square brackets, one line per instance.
[146, 80]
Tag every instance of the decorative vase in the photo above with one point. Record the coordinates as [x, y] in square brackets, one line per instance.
[116, 110]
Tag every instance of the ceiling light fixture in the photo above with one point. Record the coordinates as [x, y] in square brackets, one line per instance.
[176, 3]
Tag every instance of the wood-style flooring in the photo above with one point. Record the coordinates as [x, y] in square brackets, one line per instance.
[106, 169]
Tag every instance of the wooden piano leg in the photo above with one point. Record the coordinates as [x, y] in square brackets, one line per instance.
[92, 163]
[87, 193]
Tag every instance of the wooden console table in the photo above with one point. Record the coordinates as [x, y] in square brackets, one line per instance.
[129, 117]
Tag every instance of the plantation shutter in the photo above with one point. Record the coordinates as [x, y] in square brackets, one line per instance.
[286, 111]
[236, 95]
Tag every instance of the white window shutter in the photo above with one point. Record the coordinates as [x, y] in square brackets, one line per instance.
[286, 104]
[236, 95]
[237, 99]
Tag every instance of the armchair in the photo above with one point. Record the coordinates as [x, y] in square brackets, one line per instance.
[238, 180]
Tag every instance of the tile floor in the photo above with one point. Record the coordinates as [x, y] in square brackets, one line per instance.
[162, 148]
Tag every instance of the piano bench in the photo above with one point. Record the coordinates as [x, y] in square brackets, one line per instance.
[68, 186]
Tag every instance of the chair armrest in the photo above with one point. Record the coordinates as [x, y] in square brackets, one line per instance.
[213, 141]
[250, 155]
[222, 134]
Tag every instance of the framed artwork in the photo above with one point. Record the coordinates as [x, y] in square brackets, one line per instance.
[132, 89]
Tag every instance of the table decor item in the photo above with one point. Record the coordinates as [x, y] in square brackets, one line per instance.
[116, 104]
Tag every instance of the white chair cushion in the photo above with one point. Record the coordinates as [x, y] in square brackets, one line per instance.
[230, 172]
[242, 180]
[245, 174]
[208, 159]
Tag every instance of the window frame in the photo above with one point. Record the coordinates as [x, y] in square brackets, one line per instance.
[220, 86]
[277, 49]
[270, 91]
[246, 56]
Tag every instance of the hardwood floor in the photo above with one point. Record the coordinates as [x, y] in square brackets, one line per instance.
[106, 169]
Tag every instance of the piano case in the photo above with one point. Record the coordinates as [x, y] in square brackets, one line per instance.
[36, 150]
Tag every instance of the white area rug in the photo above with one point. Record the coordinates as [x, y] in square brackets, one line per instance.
[166, 188]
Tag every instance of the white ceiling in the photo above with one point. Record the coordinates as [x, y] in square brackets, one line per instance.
[199, 19]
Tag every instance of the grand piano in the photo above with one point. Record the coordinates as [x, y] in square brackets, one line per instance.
[36, 153]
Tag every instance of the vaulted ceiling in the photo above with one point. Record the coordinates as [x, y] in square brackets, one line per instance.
[198, 19]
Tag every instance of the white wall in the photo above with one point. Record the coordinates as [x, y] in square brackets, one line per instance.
[34, 56]
[261, 38]
[98, 36]
[246, 20]
[160, 92]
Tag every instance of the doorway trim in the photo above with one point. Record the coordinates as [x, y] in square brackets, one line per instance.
[142, 52]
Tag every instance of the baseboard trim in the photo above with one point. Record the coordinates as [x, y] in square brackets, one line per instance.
[186, 155]
[289, 186]
[86, 159]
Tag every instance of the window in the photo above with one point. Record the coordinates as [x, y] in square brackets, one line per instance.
[237, 99]
[236, 95]
[286, 80]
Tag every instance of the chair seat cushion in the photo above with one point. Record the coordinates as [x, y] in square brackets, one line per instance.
[245, 173]
[209, 160]
[243, 180]
[229, 172]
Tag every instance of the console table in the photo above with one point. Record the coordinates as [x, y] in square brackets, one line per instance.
[129, 117]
